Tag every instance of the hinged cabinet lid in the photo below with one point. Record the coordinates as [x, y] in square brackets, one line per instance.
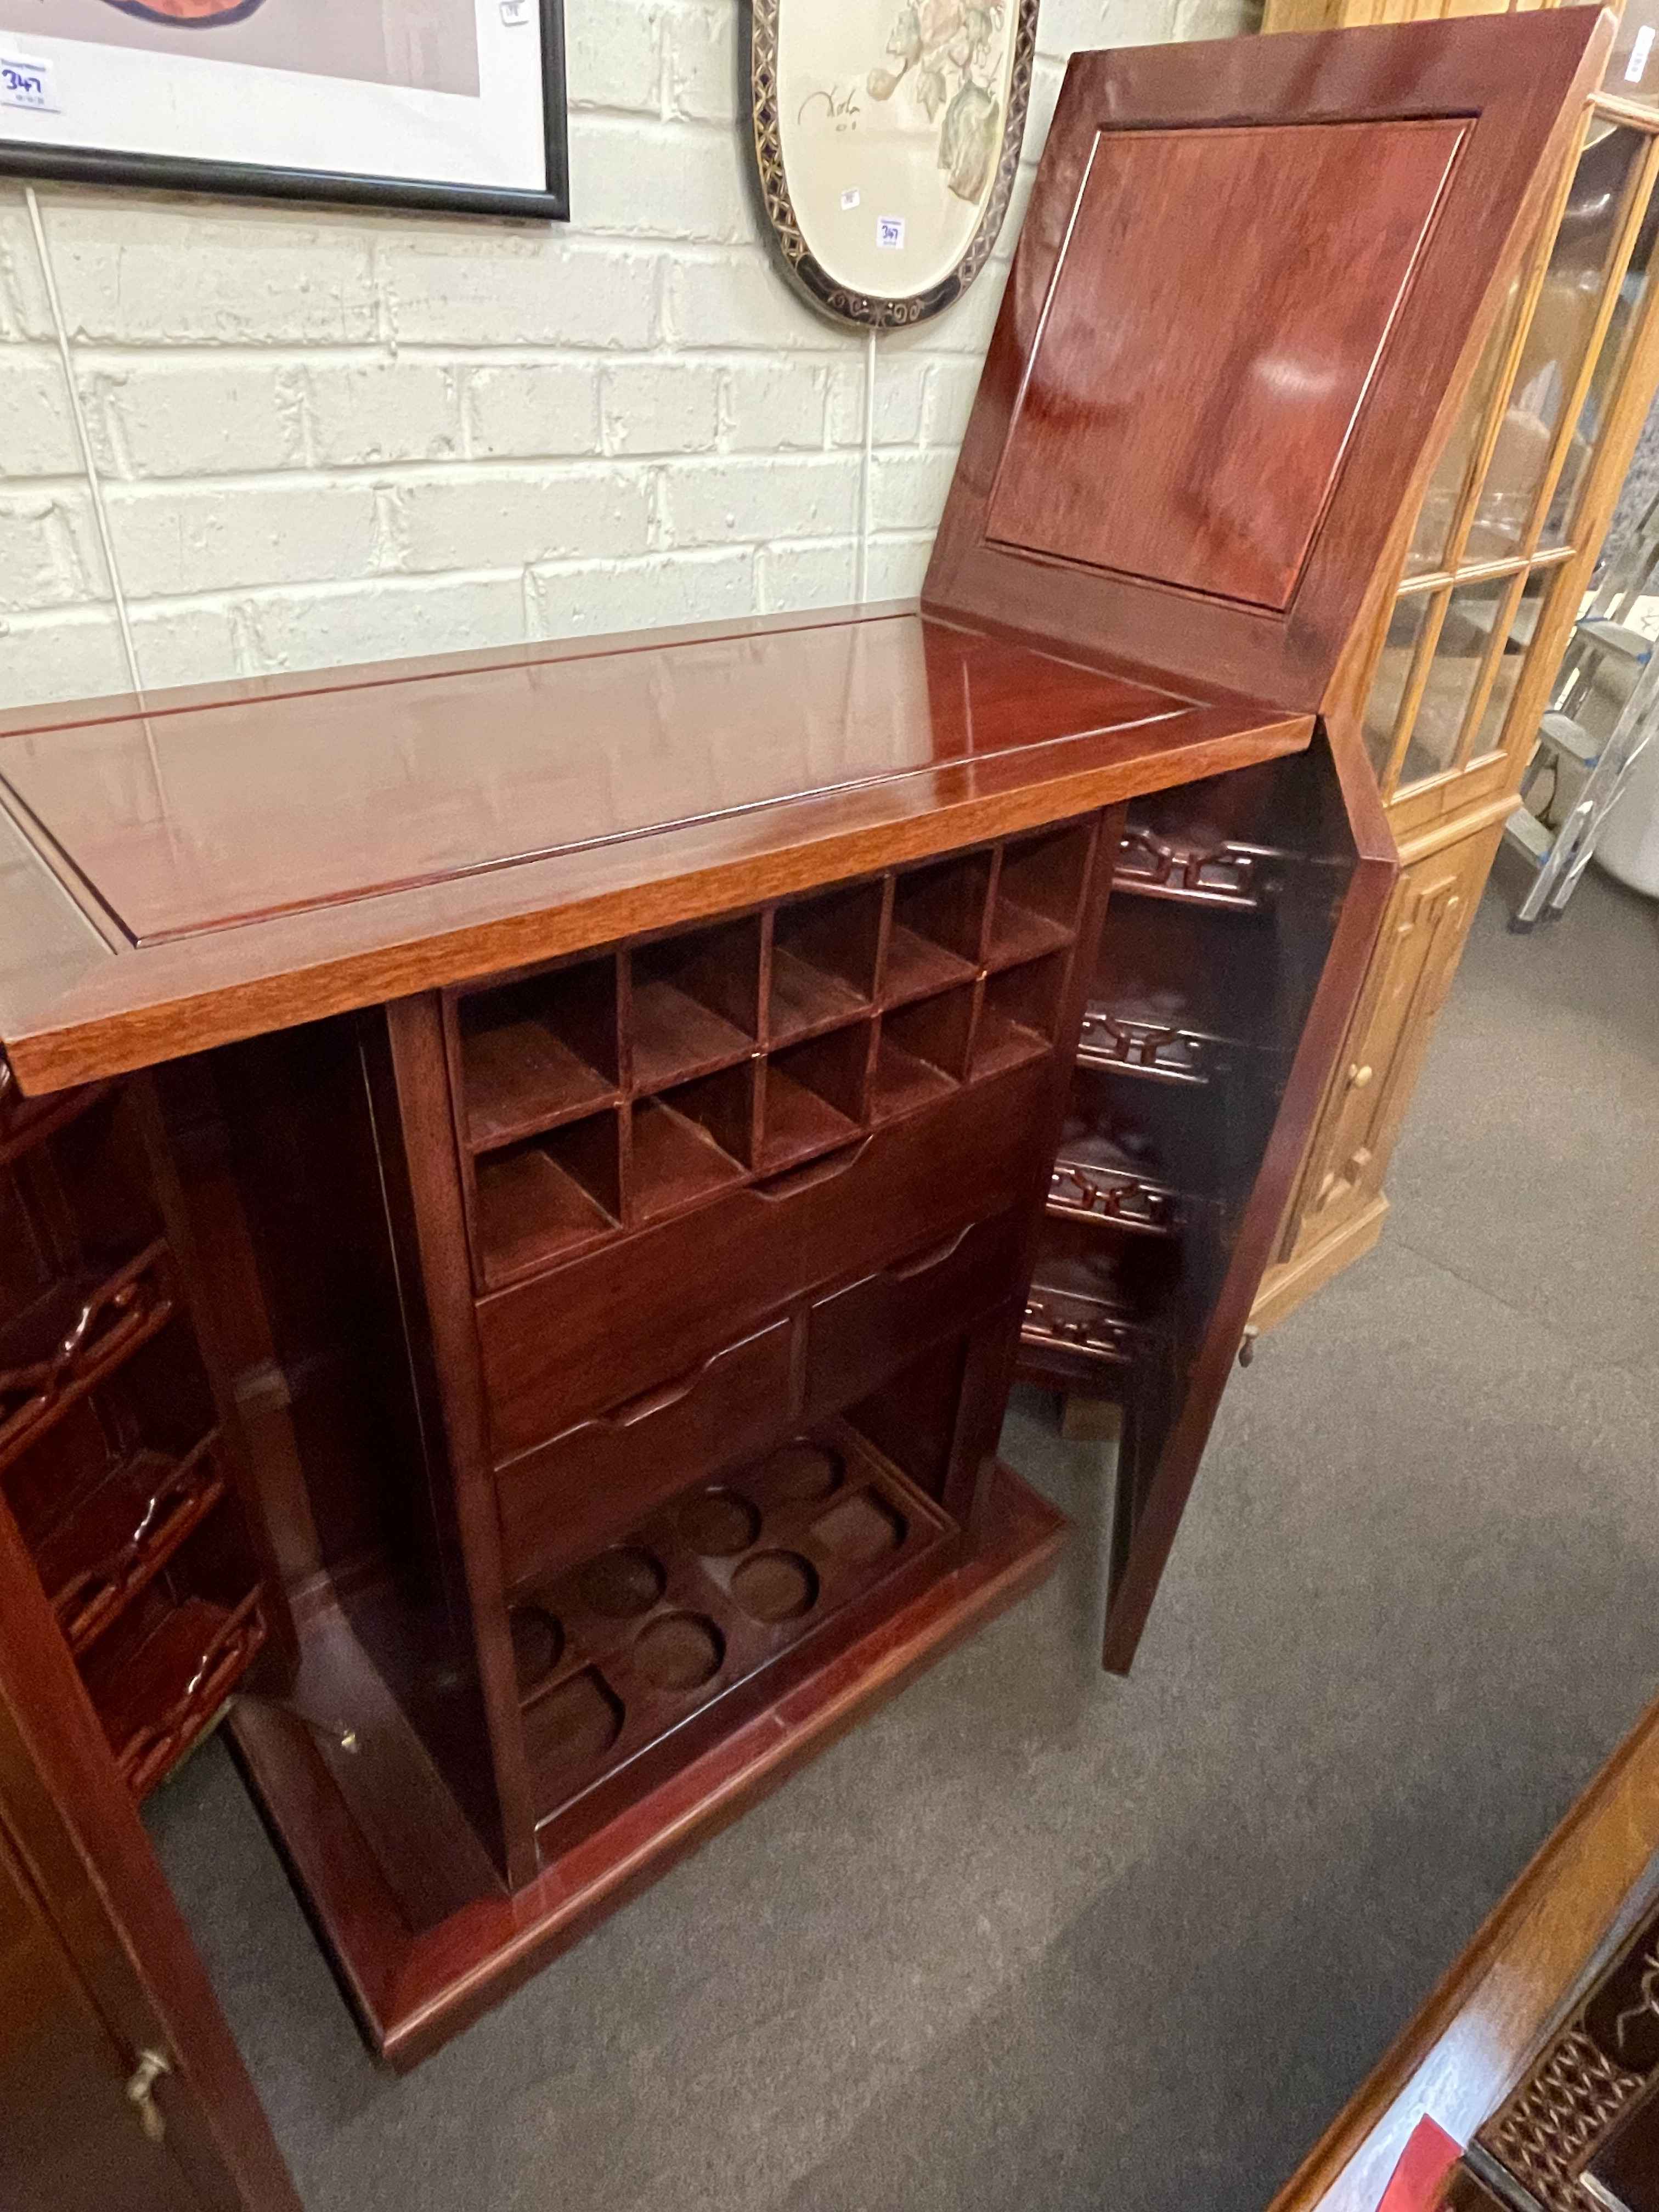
[1251, 276]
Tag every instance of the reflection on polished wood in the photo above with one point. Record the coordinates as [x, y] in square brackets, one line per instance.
[1211, 465]
[187, 821]
[383, 836]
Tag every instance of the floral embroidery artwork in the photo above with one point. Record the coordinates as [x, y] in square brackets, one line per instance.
[944, 51]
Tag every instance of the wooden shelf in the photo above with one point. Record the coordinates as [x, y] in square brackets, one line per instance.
[520, 1079]
[27, 1122]
[806, 999]
[418, 1979]
[703, 1595]
[676, 1163]
[159, 1687]
[1001, 1042]
[1017, 1015]
[917, 968]
[74, 1334]
[116, 1540]
[1097, 1180]
[1161, 1052]
[532, 1211]
[903, 1082]
[1223, 873]
[675, 1038]
[1018, 934]
[800, 1124]
[823, 960]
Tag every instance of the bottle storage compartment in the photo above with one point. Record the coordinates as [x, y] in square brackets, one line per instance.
[622, 1650]
[1018, 1015]
[1040, 885]
[160, 1678]
[695, 1004]
[824, 953]
[120, 1533]
[816, 1098]
[1111, 1179]
[550, 1198]
[537, 1053]
[607, 1094]
[936, 934]
[1100, 1299]
[1183, 994]
[1206, 843]
[76, 1331]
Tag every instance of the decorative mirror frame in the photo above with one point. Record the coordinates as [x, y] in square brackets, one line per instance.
[808, 275]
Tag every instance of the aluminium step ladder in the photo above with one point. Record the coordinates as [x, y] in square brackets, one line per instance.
[1607, 657]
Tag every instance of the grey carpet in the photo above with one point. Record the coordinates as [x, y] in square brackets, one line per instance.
[1037, 1939]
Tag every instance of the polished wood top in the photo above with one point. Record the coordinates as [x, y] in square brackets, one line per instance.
[178, 872]
[184, 822]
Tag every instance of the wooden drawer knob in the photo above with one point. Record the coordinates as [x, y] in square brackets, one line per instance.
[1359, 1076]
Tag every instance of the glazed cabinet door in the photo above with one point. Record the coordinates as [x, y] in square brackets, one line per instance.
[1340, 1203]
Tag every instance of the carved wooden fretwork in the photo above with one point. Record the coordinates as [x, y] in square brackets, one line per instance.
[1226, 873]
[101, 1324]
[1167, 1052]
[1130, 1202]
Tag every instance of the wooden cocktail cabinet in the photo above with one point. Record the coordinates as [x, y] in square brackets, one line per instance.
[527, 1172]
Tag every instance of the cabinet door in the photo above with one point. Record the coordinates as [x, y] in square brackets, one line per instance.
[71, 2139]
[1417, 958]
[97, 1969]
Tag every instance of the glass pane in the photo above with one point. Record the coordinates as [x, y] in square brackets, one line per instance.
[1434, 520]
[1388, 685]
[1604, 380]
[1556, 340]
[1633, 65]
[1512, 660]
[1472, 612]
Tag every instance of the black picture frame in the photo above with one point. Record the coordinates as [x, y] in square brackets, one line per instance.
[250, 180]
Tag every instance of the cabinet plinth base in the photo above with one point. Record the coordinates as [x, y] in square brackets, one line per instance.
[1285, 1288]
[423, 1935]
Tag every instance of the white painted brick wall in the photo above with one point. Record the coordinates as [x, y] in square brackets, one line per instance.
[324, 437]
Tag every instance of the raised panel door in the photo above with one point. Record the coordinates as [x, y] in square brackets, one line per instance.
[1422, 941]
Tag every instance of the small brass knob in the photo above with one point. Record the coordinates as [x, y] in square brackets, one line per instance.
[1359, 1076]
[152, 2067]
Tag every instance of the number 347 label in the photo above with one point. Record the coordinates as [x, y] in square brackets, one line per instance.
[27, 84]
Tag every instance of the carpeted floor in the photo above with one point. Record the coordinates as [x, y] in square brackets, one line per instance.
[1033, 1938]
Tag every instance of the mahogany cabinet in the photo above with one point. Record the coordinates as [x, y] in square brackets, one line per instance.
[1478, 597]
[607, 1111]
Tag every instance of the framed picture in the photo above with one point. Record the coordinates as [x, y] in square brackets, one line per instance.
[886, 138]
[456, 104]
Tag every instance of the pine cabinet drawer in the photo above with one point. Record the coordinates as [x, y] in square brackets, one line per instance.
[857, 1338]
[561, 1502]
[645, 1309]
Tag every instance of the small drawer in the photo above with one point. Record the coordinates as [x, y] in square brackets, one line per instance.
[561, 1502]
[859, 1337]
[649, 1306]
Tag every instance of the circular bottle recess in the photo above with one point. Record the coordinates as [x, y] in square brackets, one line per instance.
[537, 1642]
[802, 1472]
[776, 1586]
[719, 1524]
[622, 1583]
[680, 1651]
